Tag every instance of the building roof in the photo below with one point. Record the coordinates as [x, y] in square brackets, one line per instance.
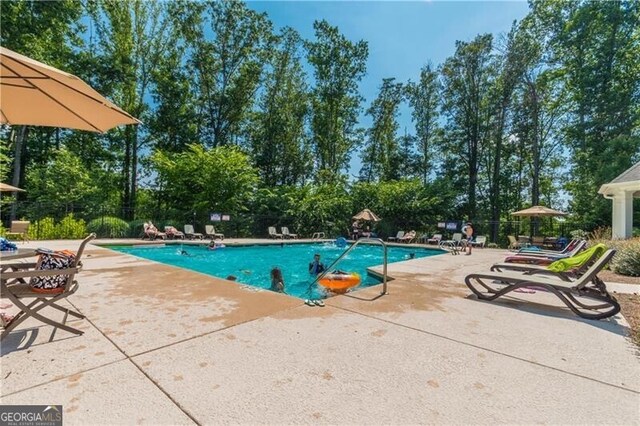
[627, 181]
[632, 174]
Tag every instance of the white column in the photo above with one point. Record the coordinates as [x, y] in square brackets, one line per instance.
[622, 214]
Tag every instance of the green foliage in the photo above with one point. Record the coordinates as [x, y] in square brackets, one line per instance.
[44, 229]
[279, 142]
[578, 233]
[62, 180]
[136, 228]
[381, 157]
[203, 180]
[339, 65]
[108, 227]
[424, 99]
[71, 228]
[402, 205]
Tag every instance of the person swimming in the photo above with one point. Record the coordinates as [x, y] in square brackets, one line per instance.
[277, 282]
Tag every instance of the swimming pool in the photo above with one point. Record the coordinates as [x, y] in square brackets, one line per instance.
[252, 264]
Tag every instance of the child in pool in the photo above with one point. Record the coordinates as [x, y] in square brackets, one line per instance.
[277, 282]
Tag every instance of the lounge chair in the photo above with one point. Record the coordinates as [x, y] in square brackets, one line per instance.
[210, 232]
[20, 289]
[566, 269]
[190, 233]
[576, 294]
[480, 241]
[399, 235]
[408, 237]
[535, 251]
[287, 234]
[513, 243]
[435, 239]
[151, 232]
[318, 235]
[173, 233]
[456, 239]
[545, 259]
[273, 233]
[20, 229]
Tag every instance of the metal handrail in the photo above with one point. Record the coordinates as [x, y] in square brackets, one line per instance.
[361, 240]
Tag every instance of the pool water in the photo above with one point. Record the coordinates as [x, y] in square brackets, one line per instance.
[252, 264]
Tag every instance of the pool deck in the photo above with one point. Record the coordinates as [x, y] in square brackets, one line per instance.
[164, 345]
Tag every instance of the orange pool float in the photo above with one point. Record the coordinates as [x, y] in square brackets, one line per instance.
[340, 283]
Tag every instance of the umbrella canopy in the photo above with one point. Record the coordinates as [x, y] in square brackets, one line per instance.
[36, 94]
[538, 211]
[367, 215]
[8, 188]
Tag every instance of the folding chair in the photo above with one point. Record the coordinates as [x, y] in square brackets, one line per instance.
[14, 288]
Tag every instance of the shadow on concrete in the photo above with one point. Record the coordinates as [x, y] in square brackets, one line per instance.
[611, 324]
[19, 340]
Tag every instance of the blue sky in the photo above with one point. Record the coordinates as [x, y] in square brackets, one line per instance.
[402, 36]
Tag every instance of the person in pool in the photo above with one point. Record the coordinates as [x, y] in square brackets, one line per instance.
[277, 282]
[316, 267]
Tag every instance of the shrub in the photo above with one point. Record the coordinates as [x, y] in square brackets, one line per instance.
[44, 229]
[136, 228]
[71, 228]
[492, 245]
[3, 230]
[627, 259]
[108, 227]
[578, 233]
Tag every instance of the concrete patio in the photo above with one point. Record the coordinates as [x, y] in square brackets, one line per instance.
[163, 345]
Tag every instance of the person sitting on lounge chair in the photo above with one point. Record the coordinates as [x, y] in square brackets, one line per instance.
[408, 237]
[151, 232]
[173, 233]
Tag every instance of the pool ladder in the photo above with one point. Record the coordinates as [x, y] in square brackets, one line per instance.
[361, 240]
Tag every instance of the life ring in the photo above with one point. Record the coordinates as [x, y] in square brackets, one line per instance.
[340, 283]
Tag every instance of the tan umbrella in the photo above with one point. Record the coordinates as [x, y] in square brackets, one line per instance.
[367, 215]
[33, 93]
[8, 188]
[538, 211]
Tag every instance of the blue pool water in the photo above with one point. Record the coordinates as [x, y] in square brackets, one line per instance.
[252, 264]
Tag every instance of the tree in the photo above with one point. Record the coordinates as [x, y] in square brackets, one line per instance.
[226, 70]
[381, 155]
[61, 182]
[202, 180]
[132, 37]
[339, 65]
[510, 65]
[45, 31]
[594, 46]
[467, 77]
[424, 99]
[280, 141]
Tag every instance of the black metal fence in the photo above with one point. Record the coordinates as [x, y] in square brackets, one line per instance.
[61, 221]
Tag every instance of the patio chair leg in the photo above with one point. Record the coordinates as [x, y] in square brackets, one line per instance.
[31, 310]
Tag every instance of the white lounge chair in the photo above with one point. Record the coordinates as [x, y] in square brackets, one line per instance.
[191, 234]
[287, 234]
[273, 233]
[210, 232]
[398, 236]
[480, 241]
